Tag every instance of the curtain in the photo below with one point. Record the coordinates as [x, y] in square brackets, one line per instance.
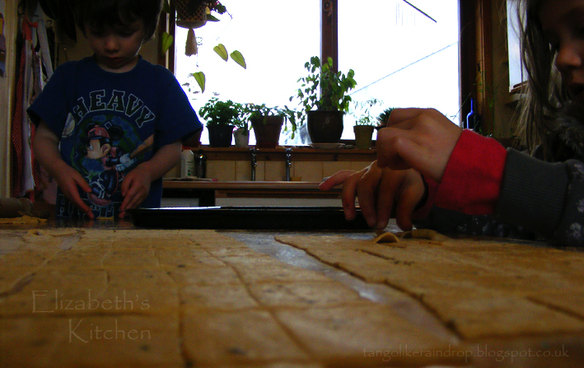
[34, 67]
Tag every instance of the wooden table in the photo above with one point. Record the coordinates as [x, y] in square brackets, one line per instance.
[112, 295]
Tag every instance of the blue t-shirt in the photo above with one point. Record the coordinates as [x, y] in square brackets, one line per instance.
[108, 123]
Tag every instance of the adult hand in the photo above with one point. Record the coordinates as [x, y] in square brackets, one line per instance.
[422, 139]
[382, 192]
[70, 181]
[135, 188]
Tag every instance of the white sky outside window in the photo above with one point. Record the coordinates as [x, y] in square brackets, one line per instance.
[516, 70]
[399, 55]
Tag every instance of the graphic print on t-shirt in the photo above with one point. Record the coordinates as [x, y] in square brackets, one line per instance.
[105, 147]
[102, 140]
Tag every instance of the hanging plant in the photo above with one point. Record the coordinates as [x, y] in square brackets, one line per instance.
[194, 14]
[191, 14]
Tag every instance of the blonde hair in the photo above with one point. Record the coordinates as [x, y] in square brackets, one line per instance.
[544, 94]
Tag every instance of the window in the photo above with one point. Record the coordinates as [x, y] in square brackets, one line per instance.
[403, 56]
[276, 39]
[400, 56]
[516, 70]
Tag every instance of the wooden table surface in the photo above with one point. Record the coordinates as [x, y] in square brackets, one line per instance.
[108, 296]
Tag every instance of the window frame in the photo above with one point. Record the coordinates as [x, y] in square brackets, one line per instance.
[476, 68]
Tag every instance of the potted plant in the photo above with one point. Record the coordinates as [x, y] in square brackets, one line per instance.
[323, 94]
[384, 116]
[221, 117]
[241, 133]
[364, 123]
[267, 123]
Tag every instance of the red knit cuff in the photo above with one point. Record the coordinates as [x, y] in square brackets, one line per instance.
[472, 179]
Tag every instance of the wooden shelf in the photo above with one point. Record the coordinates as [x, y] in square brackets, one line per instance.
[299, 153]
[240, 185]
[208, 191]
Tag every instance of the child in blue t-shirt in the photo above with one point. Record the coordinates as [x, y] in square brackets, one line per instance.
[110, 125]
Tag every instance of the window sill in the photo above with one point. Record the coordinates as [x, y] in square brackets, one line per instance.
[299, 153]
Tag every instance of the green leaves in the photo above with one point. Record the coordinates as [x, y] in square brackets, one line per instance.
[239, 59]
[218, 112]
[323, 88]
[236, 56]
[200, 78]
[167, 41]
[221, 51]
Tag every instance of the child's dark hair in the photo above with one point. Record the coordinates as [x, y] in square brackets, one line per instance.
[98, 14]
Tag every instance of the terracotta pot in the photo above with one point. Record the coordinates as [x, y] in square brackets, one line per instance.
[220, 135]
[325, 126]
[267, 130]
[363, 135]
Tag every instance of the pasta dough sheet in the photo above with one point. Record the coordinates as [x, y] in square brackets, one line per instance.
[175, 298]
[478, 289]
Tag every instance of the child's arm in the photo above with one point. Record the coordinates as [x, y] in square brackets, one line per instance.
[136, 184]
[467, 167]
[47, 153]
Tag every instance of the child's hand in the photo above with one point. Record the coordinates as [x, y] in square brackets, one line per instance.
[46, 149]
[70, 181]
[422, 139]
[380, 191]
[135, 188]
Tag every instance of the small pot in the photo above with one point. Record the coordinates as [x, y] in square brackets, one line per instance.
[267, 130]
[325, 126]
[363, 135]
[220, 135]
[241, 137]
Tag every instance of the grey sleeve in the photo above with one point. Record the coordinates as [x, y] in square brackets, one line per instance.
[547, 198]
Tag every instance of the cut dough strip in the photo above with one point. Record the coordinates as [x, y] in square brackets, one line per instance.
[386, 237]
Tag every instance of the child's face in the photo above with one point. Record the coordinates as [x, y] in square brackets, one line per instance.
[563, 24]
[116, 48]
